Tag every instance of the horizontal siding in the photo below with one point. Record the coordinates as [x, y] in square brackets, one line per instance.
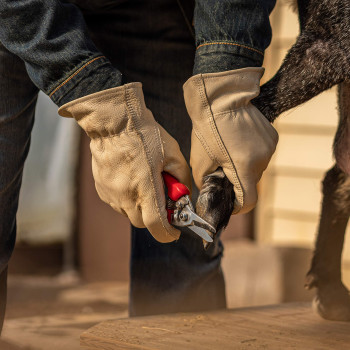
[321, 111]
[301, 194]
[304, 151]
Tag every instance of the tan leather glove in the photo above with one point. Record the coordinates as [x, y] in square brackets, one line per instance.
[129, 152]
[229, 132]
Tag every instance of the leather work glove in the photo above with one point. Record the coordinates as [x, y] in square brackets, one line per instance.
[130, 150]
[229, 132]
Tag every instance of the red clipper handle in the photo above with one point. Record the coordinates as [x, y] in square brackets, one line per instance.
[176, 190]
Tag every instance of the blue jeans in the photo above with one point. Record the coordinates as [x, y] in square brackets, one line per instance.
[179, 276]
[173, 277]
[17, 104]
[51, 36]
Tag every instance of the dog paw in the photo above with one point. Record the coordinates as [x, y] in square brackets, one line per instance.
[216, 200]
[332, 302]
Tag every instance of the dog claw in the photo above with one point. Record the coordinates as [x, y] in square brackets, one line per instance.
[311, 281]
[206, 244]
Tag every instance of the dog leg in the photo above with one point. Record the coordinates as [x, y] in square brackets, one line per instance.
[306, 71]
[332, 300]
[341, 145]
[318, 60]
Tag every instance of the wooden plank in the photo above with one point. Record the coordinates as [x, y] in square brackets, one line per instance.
[54, 332]
[286, 326]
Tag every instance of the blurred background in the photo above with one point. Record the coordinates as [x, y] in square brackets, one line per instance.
[70, 268]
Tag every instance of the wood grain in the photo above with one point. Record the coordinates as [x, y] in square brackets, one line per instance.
[286, 326]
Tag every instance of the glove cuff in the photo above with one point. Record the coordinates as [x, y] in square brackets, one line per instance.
[223, 91]
[108, 112]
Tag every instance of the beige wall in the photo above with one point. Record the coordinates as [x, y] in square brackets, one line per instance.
[290, 191]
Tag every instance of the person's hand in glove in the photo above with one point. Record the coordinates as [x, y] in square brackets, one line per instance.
[229, 132]
[130, 150]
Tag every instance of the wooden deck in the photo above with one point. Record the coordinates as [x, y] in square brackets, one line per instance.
[286, 326]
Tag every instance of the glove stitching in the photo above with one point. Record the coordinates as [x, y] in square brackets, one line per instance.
[205, 146]
[158, 195]
[237, 184]
[128, 98]
[162, 156]
[256, 70]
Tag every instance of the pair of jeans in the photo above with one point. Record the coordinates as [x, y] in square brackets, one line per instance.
[17, 105]
[149, 41]
[153, 44]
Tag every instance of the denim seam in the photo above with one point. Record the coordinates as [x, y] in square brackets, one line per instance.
[232, 44]
[74, 74]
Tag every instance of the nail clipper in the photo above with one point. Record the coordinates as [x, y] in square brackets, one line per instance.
[180, 209]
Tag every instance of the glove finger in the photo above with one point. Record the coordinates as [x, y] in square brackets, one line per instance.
[174, 161]
[154, 205]
[133, 214]
[154, 214]
[135, 217]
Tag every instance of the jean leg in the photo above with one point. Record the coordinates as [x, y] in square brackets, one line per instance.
[17, 104]
[174, 277]
[149, 41]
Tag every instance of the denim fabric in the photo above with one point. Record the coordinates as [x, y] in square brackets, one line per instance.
[51, 37]
[17, 102]
[231, 34]
[61, 59]
[149, 41]
[175, 277]
[179, 276]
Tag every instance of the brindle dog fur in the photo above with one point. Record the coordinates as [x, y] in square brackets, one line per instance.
[319, 59]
